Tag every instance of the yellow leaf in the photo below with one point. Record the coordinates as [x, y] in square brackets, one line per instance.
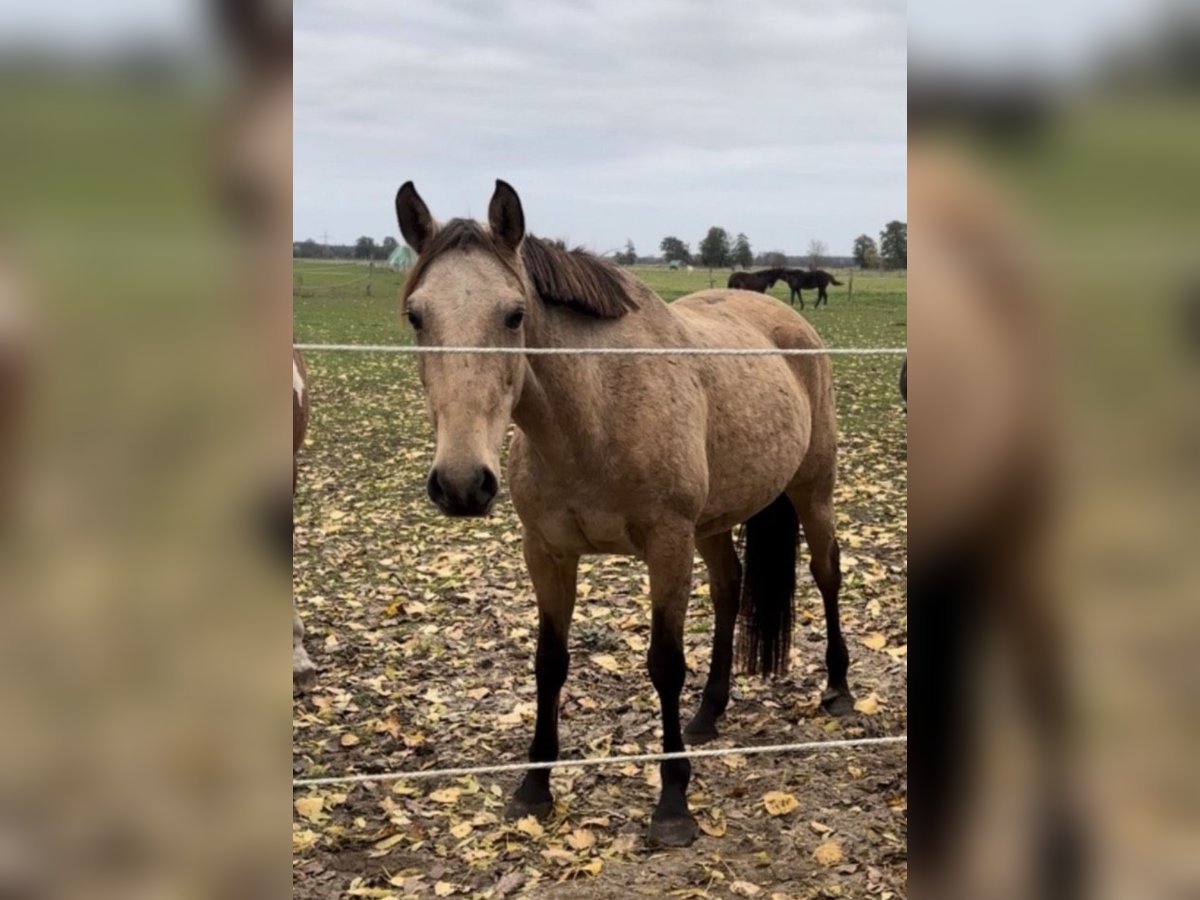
[302, 840]
[446, 795]
[581, 839]
[592, 868]
[530, 826]
[875, 641]
[350, 740]
[311, 808]
[828, 853]
[461, 830]
[819, 827]
[444, 889]
[868, 705]
[606, 662]
[388, 843]
[713, 829]
[778, 803]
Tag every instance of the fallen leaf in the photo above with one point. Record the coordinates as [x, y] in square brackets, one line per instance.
[311, 808]
[581, 839]
[778, 803]
[461, 830]
[530, 826]
[606, 662]
[444, 888]
[819, 827]
[302, 840]
[868, 705]
[828, 853]
[592, 868]
[713, 828]
[875, 641]
[446, 795]
[350, 739]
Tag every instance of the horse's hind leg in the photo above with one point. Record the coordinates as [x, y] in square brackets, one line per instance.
[814, 505]
[554, 579]
[725, 580]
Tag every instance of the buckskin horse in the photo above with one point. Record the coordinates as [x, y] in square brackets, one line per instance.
[638, 456]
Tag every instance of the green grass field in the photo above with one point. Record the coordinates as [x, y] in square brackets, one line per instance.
[422, 629]
[343, 302]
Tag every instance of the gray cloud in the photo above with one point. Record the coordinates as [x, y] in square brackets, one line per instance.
[615, 119]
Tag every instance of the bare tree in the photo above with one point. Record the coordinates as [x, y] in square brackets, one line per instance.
[817, 251]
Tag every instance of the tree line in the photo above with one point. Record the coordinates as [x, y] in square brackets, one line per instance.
[364, 248]
[718, 251]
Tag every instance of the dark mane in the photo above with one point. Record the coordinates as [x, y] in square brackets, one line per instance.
[577, 279]
[571, 278]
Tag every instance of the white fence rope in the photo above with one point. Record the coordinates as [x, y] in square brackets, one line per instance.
[609, 351]
[423, 774]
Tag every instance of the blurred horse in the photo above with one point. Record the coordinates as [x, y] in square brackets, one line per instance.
[762, 280]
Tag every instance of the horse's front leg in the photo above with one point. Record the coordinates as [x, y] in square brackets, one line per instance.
[669, 557]
[553, 577]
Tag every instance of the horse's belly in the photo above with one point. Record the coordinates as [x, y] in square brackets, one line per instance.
[756, 444]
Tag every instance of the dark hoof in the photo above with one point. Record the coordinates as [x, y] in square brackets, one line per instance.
[304, 673]
[521, 808]
[838, 701]
[700, 730]
[673, 832]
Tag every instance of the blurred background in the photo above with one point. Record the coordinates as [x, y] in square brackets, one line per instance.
[145, 230]
[1055, 311]
[144, 291]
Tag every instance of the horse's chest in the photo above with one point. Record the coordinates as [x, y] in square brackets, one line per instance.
[576, 514]
[589, 531]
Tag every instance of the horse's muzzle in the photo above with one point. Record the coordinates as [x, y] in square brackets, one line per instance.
[471, 495]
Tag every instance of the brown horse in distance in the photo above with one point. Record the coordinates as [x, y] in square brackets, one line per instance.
[762, 280]
[798, 279]
[635, 457]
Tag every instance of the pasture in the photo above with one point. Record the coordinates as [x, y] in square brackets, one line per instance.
[422, 629]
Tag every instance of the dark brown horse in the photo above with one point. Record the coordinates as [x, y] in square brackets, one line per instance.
[762, 280]
[798, 279]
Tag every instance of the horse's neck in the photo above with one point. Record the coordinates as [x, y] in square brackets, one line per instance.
[560, 394]
[564, 402]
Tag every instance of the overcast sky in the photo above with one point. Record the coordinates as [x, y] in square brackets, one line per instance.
[613, 119]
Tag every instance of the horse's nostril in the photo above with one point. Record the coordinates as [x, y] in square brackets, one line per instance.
[434, 486]
[488, 485]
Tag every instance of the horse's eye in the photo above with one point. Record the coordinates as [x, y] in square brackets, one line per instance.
[414, 319]
[514, 319]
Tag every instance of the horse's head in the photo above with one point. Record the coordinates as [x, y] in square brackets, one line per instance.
[468, 288]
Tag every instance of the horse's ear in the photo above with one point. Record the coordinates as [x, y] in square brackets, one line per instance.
[416, 224]
[505, 216]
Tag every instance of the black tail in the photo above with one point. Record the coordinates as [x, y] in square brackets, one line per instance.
[768, 588]
[835, 281]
